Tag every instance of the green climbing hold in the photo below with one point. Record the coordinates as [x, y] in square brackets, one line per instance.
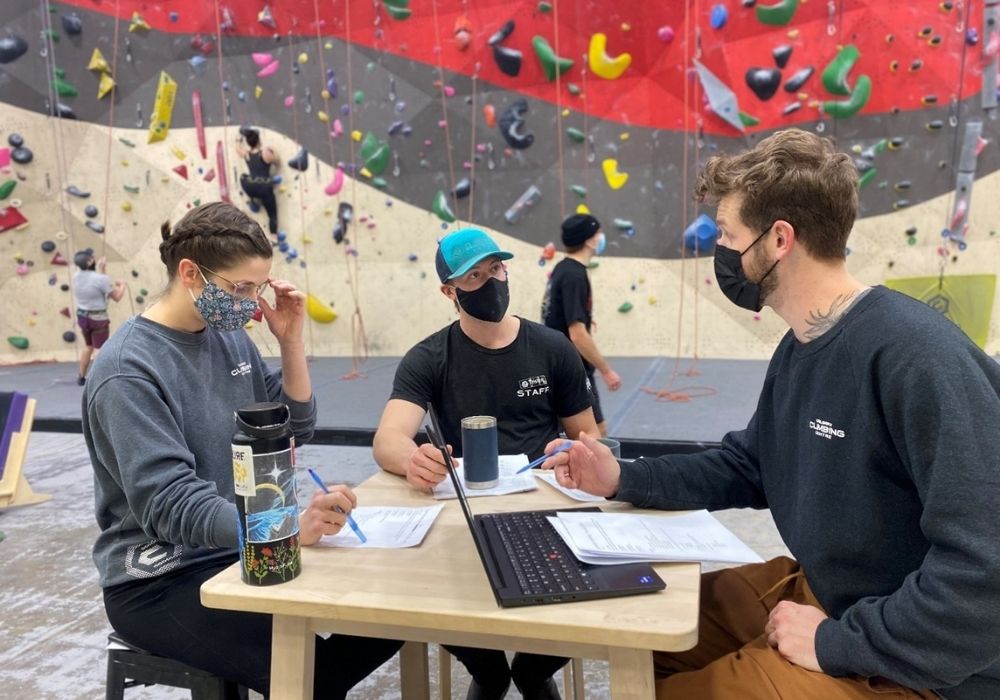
[130, 189]
[575, 135]
[778, 14]
[749, 120]
[441, 208]
[126, 142]
[18, 341]
[6, 188]
[912, 240]
[573, 88]
[380, 182]
[550, 62]
[375, 153]
[64, 89]
[59, 72]
[399, 9]
[625, 308]
[624, 224]
[841, 109]
[545, 7]
[881, 145]
[579, 190]
[866, 178]
[359, 96]
[593, 264]
[835, 74]
[144, 292]
[52, 34]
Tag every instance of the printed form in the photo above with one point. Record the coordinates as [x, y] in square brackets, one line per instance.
[386, 527]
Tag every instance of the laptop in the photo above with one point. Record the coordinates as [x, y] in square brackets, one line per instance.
[527, 562]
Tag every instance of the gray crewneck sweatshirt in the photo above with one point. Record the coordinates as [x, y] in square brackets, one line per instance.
[158, 420]
[877, 449]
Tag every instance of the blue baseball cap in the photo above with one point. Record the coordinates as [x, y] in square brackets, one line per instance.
[462, 250]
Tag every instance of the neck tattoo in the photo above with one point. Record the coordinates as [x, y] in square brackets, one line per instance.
[820, 322]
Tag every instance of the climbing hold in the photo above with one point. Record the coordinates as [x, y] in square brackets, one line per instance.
[22, 156]
[791, 107]
[318, 311]
[440, 207]
[549, 251]
[603, 65]
[778, 14]
[12, 48]
[527, 200]
[615, 179]
[69, 336]
[835, 74]
[625, 308]
[163, 108]
[336, 183]
[15, 140]
[462, 32]
[511, 124]
[665, 34]
[105, 85]
[799, 79]
[840, 109]
[268, 70]
[508, 60]
[48, 246]
[77, 192]
[763, 81]
[98, 62]
[398, 9]
[90, 211]
[19, 342]
[266, 17]
[262, 59]
[300, 161]
[63, 88]
[575, 135]
[62, 111]
[718, 16]
[6, 188]
[552, 64]
[502, 33]
[782, 54]
[462, 188]
[72, 24]
[95, 227]
[375, 153]
[701, 234]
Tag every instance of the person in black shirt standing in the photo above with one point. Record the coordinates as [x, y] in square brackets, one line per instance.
[568, 302]
[874, 444]
[491, 363]
[258, 183]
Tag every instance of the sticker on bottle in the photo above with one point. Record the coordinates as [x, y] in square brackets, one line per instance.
[243, 477]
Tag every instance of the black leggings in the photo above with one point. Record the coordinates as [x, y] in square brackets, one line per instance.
[490, 669]
[164, 615]
[263, 192]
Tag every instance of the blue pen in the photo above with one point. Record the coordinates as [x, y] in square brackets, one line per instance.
[531, 465]
[350, 520]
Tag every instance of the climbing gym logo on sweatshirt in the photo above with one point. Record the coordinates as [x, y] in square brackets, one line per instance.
[825, 429]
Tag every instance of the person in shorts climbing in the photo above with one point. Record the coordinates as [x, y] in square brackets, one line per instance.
[92, 290]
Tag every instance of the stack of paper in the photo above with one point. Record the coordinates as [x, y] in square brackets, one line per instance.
[385, 527]
[576, 494]
[620, 538]
[509, 482]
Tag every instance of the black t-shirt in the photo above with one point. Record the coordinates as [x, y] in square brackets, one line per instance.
[528, 385]
[568, 299]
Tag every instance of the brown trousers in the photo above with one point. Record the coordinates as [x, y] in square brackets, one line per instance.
[733, 660]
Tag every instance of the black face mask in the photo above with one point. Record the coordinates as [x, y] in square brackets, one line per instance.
[488, 303]
[732, 280]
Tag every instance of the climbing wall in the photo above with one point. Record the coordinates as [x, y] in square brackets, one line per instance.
[397, 121]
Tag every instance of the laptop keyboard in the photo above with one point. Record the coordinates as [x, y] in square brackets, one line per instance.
[541, 561]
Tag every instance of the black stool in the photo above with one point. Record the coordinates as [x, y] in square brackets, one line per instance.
[132, 666]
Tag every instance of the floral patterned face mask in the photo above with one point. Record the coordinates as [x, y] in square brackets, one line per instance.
[221, 309]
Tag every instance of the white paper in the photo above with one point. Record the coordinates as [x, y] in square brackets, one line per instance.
[598, 559]
[694, 536]
[385, 527]
[549, 478]
[509, 482]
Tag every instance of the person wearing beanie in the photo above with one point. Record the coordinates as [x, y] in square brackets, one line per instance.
[488, 363]
[92, 290]
[568, 302]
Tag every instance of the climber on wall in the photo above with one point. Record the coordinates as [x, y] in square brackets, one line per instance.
[258, 182]
[93, 288]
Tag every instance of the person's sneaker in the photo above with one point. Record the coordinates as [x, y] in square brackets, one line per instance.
[81, 381]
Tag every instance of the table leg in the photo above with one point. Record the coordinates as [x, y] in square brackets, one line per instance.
[631, 674]
[414, 680]
[293, 658]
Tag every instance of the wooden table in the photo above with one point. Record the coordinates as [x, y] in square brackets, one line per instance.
[439, 593]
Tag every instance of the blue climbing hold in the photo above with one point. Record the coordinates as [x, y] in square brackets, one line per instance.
[701, 234]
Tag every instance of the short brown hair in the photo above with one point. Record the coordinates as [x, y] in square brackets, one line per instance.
[216, 235]
[793, 175]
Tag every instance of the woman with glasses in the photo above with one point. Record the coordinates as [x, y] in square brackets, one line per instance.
[158, 420]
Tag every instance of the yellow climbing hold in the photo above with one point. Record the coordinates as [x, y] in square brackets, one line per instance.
[138, 24]
[325, 94]
[303, 57]
[106, 85]
[163, 108]
[257, 92]
[126, 206]
[581, 208]
[603, 65]
[318, 311]
[181, 155]
[98, 62]
[623, 136]
[365, 172]
[323, 116]
[616, 179]
[356, 135]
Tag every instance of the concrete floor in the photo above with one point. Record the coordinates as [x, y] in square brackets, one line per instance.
[52, 643]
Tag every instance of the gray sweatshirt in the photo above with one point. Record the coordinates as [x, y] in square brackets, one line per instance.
[158, 420]
[877, 449]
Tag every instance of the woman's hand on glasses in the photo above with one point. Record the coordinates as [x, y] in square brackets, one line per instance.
[286, 317]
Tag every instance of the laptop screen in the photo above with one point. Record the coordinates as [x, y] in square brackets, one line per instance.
[437, 439]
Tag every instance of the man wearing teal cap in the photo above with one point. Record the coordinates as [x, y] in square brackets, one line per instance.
[489, 363]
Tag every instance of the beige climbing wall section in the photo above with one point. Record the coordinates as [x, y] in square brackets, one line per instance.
[676, 306]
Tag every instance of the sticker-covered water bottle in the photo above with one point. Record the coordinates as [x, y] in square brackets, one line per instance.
[264, 477]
